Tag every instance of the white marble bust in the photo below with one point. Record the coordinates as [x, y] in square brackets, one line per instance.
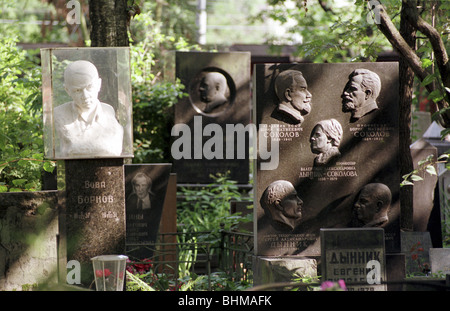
[86, 127]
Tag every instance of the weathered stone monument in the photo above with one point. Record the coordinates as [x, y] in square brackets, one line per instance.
[355, 255]
[416, 247]
[440, 260]
[145, 191]
[92, 197]
[30, 240]
[336, 130]
[88, 130]
[209, 133]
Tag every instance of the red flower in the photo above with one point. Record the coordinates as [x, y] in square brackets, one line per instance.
[414, 256]
[101, 273]
[98, 273]
[107, 273]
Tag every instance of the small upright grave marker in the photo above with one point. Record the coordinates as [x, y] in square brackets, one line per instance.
[356, 256]
[145, 190]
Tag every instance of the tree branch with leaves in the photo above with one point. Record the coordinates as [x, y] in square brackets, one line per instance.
[439, 92]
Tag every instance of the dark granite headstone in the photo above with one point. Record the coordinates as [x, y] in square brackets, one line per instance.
[168, 228]
[245, 210]
[362, 150]
[356, 256]
[395, 271]
[93, 199]
[200, 134]
[145, 190]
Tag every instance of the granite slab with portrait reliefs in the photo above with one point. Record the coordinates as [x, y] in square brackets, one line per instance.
[334, 136]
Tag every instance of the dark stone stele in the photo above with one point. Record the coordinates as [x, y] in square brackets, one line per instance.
[347, 254]
[146, 183]
[363, 150]
[92, 195]
[232, 106]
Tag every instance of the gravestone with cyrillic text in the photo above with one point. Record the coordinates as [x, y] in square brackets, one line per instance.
[356, 256]
[329, 151]
[92, 196]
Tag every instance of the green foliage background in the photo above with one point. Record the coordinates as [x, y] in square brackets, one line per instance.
[21, 145]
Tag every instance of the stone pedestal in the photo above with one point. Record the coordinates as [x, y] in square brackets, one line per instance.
[267, 270]
[92, 197]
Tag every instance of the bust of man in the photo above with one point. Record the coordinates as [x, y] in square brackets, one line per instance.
[86, 127]
[324, 141]
[372, 205]
[294, 97]
[212, 89]
[360, 93]
[280, 199]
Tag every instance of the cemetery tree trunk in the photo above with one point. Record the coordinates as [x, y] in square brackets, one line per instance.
[109, 22]
[406, 76]
[403, 41]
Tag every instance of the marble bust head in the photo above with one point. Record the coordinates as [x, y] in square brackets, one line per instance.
[86, 127]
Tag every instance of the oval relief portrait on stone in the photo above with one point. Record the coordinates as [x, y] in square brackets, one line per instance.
[212, 92]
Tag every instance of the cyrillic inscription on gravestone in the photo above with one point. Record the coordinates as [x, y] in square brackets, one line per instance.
[94, 195]
[356, 256]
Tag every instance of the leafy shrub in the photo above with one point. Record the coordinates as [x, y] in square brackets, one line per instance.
[21, 142]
